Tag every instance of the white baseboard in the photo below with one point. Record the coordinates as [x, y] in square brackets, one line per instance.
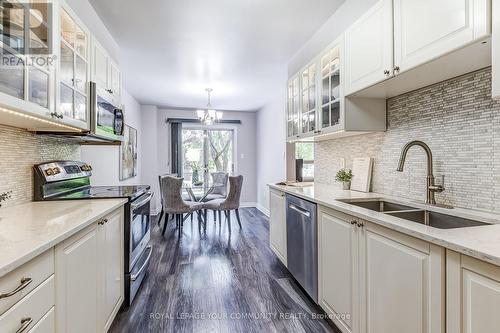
[248, 205]
[263, 209]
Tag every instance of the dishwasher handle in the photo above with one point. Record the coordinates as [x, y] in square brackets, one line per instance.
[299, 210]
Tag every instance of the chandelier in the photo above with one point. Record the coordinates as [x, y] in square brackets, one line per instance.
[209, 116]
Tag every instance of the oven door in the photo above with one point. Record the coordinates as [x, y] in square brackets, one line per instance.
[140, 224]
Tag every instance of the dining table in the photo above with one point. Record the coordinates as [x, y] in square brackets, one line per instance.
[197, 192]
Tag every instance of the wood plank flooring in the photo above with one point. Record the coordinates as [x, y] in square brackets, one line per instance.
[219, 282]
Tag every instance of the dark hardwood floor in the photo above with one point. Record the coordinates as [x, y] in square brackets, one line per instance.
[219, 282]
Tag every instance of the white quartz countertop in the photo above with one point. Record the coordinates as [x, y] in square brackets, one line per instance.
[28, 230]
[482, 242]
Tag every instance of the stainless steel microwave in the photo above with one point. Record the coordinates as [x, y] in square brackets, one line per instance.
[106, 119]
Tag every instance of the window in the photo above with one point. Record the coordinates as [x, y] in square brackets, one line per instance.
[305, 151]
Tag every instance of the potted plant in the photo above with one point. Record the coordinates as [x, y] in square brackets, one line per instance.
[344, 176]
[4, 196]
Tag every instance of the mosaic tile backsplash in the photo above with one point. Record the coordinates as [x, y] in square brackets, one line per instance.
[461, 124]
[19, 151]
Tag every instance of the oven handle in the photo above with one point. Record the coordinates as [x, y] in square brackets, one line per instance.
[142, 202]
[135, 276]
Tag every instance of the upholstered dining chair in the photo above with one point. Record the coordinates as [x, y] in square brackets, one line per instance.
[231, 202]
[172, 202]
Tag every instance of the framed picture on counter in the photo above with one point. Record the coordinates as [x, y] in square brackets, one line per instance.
[128, 153]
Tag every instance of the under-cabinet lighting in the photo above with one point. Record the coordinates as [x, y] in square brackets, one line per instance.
[20, 114]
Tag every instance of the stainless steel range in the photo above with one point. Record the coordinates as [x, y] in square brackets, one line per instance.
[70, 180]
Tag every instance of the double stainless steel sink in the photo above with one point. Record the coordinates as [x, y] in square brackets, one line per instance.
[414, 214]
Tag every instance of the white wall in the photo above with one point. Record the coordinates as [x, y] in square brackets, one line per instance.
[156, 143]
[149, 147]
[271, 136]
[347, 13]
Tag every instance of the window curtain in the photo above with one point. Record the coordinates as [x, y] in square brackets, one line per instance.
[176, 148]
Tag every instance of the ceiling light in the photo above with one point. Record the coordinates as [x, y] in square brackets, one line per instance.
[209, 116]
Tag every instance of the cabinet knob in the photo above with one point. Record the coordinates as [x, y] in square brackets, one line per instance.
[387, 72]
[396, 69]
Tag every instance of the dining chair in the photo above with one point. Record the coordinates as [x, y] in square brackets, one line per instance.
[161, 194]
[230, 203]
[173, 204]
[220, 179]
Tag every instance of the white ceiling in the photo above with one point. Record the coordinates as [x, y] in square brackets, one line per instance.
[171, 50]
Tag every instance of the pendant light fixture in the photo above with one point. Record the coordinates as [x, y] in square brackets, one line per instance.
[209, 116]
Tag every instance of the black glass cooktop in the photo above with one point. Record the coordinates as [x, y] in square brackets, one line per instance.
[95, 192]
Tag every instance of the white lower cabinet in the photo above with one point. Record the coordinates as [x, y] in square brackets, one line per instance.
[111, 280]
[277, 224]
[473, 295]
[338, 268]
[376, 280]
[402, 283]
[47, 324]
[89, 267]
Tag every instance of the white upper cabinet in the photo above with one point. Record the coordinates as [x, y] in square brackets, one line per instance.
[369, 48]
[427, 29]
[105, 73]
[28, 62]
[293, 107]
[115, 78]
[496, 49]
[74, 70]
[331, 87]
[100, 65]
[309, 112]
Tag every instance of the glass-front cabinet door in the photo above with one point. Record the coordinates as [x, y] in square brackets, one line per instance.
[308, 91]
[73, 76]
[27, 59]
[331, 88]
[293, 107]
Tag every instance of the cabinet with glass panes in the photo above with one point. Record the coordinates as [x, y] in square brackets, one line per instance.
[325, 113]
[308, 114]
[27, 66]
[74, 69]
[293, 108]
[330, 89]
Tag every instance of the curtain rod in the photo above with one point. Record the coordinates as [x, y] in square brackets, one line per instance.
[197, 121]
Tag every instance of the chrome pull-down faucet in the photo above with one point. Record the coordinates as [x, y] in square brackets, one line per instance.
[432, 188]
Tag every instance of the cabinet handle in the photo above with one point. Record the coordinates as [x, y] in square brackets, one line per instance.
[109, 90]
[354, 222]
[25, 322]
[360, 225]
[387, 72]
[101, 222]
[396, 69]
[24, 283]
[105, 220]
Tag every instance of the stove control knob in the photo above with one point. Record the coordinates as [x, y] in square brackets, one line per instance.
[49, 172]
[56, 171]
[90, 167]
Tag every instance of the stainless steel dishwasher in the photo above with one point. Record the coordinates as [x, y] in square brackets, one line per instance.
[302, 243]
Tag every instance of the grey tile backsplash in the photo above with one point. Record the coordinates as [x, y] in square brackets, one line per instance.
[19, 151]
[457, 119]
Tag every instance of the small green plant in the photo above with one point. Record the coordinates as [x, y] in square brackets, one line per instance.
[5, 196]
[344, 175]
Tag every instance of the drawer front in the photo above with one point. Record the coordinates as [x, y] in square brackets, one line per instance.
[27, 312]
[20, 282]
[46, 325]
